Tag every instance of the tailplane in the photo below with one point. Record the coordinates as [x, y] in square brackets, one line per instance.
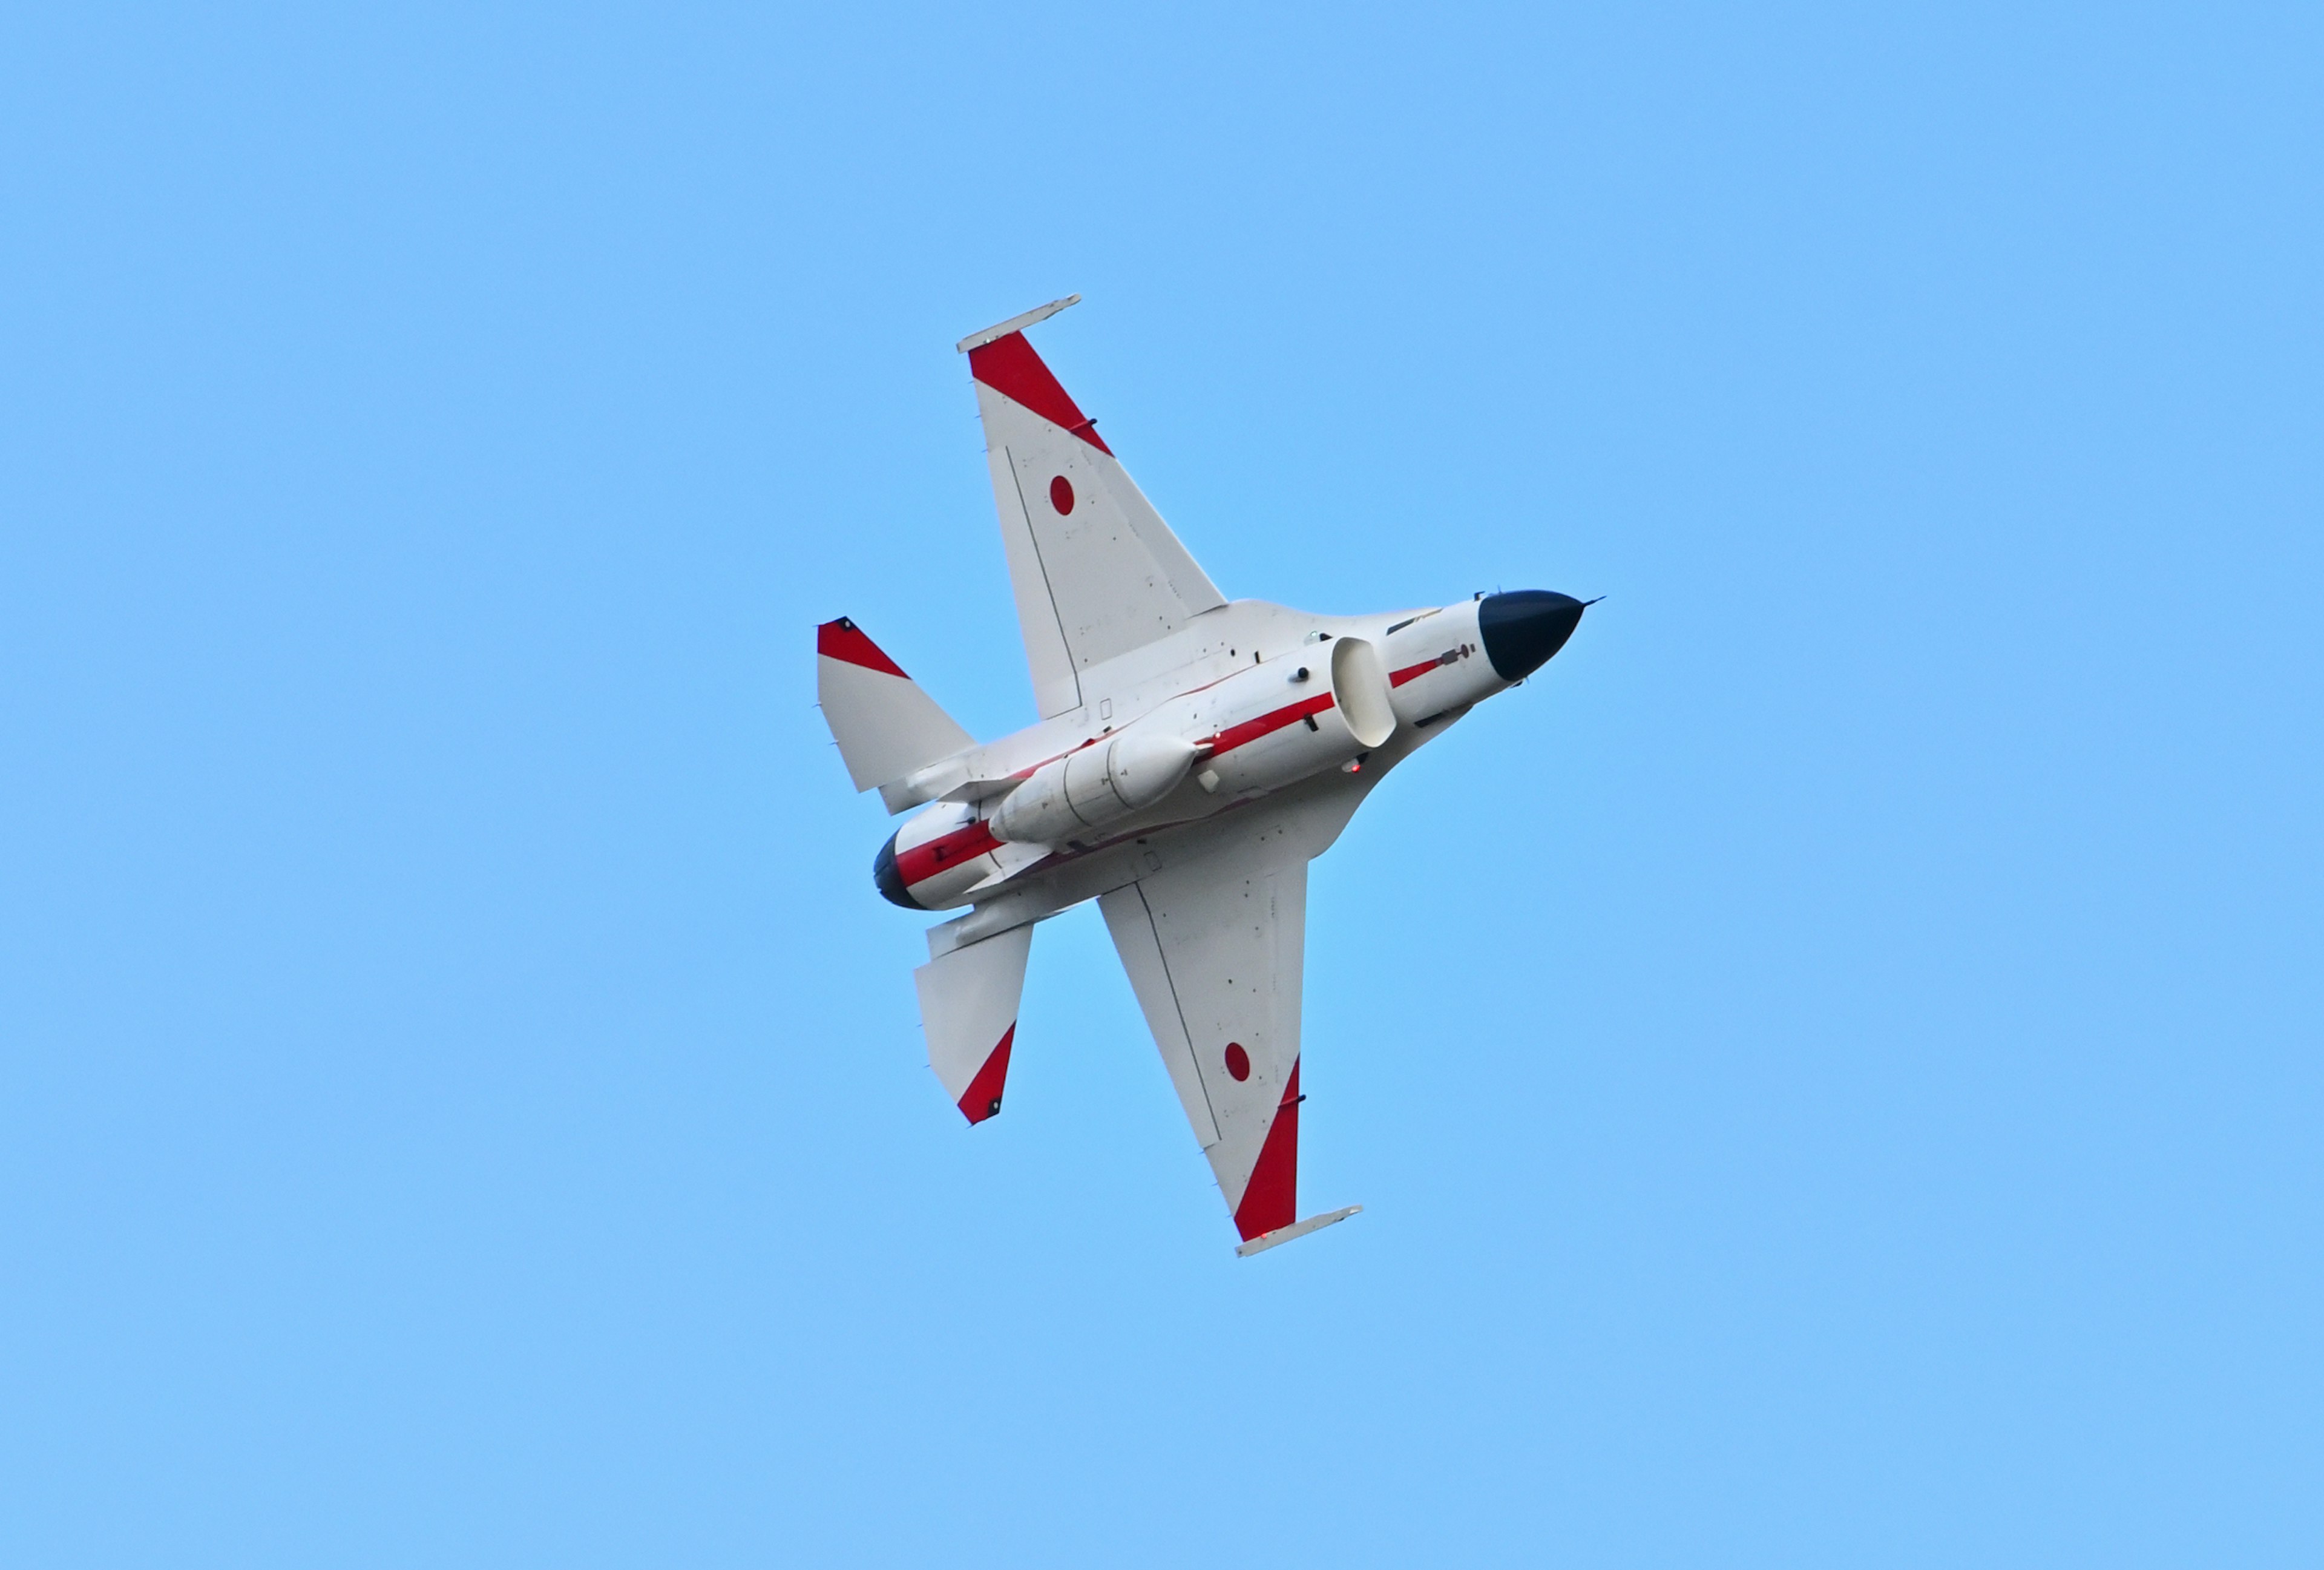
[885, 725]
[968, 1006]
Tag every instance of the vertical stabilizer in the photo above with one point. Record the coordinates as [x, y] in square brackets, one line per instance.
[885, 725]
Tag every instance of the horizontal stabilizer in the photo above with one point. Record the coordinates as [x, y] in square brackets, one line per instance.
[885, 725]
[968, 1007]
[1284, 1234]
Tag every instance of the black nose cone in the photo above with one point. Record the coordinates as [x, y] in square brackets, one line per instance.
[890, 881]
[1524, 629]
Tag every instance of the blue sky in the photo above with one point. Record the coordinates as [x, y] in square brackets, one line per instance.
[1832, 1067]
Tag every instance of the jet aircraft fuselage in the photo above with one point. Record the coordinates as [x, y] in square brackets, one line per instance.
[1194, 755]
[1246, 700]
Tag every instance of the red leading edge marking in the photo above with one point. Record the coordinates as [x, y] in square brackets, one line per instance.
[983, 1097]
[1271, 1198]
[945, 852]
[1009, 367]
[843, 639]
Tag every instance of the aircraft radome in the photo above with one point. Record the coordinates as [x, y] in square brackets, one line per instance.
[1194, 755]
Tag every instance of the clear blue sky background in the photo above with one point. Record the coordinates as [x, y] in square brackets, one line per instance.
[1832, 1068]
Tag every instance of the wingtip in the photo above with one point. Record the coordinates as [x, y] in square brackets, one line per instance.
[1297, 1229]
[1015, 324]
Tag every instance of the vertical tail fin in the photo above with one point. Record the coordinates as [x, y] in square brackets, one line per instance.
[968, 1006]
[885, 725]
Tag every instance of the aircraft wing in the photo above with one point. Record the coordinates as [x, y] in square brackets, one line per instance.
[1214, 941]
[1096, 571]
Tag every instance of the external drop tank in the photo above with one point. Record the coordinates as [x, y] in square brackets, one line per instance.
[1110, 778]
[1254, 731]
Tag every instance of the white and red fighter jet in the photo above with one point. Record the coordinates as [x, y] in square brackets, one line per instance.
[1193, 754]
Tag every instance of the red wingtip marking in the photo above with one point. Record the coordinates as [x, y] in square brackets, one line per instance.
[1271, 1198]
[843, 639]
[983, 1097]
[1009, 367]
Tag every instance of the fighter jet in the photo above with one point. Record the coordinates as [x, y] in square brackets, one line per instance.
[1193, 754]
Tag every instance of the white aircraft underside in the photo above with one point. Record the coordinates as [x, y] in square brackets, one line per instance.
[1194, 755]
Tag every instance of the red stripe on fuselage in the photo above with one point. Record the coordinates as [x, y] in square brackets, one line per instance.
[1412, 672]
[943, 853]
[843, 639]
[1009, 367]
[1029, 770]
[1251, 730]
